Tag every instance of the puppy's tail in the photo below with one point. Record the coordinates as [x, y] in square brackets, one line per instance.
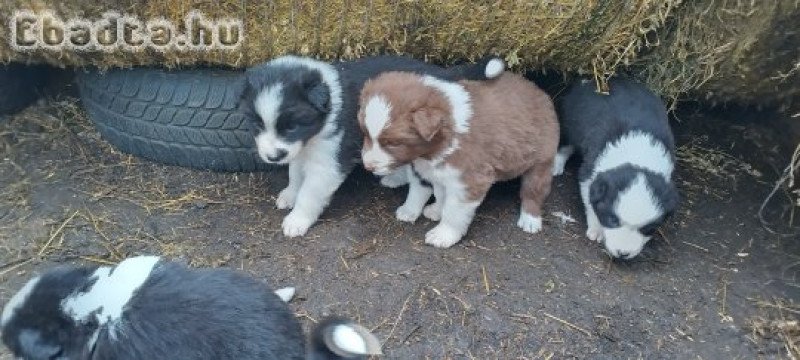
[487, 68]
[338, 338]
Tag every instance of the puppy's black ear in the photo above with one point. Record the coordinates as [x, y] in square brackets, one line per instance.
[317, 92]
[318, 95]
[598, 189]
[244, 93]
[256, 76]
[251, 84]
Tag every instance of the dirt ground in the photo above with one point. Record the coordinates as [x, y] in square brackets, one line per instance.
[699, 291]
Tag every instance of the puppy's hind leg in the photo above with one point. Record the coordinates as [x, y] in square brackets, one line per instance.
[562, 156]
[535, 188]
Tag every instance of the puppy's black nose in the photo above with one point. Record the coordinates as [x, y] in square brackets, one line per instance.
[278, 157]
[623, 254]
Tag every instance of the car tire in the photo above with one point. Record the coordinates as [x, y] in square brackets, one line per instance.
[187, 118]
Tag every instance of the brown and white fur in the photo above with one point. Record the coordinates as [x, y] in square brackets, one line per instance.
[462, 137]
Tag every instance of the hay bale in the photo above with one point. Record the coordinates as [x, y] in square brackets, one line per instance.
[565, 35]
[709, 48]
[742, 51]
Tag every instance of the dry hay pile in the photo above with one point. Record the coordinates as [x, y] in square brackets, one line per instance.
[566, 35]
[726, 50]
[779, 323]
[723, 49]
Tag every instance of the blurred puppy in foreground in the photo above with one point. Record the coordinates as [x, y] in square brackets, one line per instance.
[148, 308]
[462, 137]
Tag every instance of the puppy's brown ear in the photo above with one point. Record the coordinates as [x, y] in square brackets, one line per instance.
[428, 122]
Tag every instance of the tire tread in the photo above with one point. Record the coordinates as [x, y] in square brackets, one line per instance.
[186, 118]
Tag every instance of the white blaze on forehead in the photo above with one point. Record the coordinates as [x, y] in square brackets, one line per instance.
[268, 103]
[376, 115]
[111, 291]
[459, 99]
[639, 149]
[17, 300]
[637, 205]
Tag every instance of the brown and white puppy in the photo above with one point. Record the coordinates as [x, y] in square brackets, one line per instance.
[462, 137]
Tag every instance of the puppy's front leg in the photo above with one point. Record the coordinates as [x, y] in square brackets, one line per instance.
[288, 195]
[434, 211]
[398, 178]
[457, 214]
[418, 195]
[594, 230]
[312, 198]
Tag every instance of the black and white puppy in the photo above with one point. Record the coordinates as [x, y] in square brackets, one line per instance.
[628, 154]
[306, 118]
[146, 308]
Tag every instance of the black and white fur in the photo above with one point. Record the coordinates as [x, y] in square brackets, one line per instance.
[628, 154]
[146, 308]
[307, 119]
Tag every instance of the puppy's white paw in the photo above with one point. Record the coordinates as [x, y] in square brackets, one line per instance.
[406, 213]
[433, 211]
[561, 158]
[296, 225]
[442, 236]
[286, 294]
[286, 198]
[394, 181]
[595, 233]
[558, 165]
[529, 223]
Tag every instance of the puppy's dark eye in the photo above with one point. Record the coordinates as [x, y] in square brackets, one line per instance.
[391, 143]
[291, 127]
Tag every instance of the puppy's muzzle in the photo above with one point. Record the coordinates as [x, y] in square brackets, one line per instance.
[280, 155]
